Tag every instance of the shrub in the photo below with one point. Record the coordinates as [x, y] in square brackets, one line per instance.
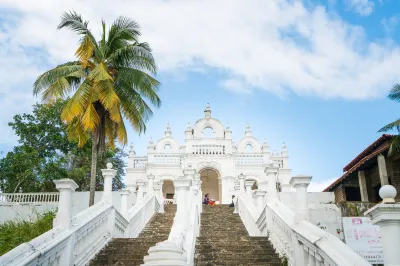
[14, 233]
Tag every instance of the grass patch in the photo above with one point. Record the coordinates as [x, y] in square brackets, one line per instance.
[14, 233]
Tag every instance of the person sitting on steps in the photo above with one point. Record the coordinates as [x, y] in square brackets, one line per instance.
[206, 199]
[232, 204]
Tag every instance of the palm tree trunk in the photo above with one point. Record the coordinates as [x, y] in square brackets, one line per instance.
[93, 170]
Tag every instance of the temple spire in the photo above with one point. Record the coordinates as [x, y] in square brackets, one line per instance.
[168, 131]
[132, 151]
[207, 111]
[248, 130]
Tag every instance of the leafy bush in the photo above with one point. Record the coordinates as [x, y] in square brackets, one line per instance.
[14, 233]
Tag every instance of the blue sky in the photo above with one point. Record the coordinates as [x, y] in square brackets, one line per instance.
[313, 74]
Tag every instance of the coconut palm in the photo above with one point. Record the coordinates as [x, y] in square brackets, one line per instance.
[111, 80]
[394, 95]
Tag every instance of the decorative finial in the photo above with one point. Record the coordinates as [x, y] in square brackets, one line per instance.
[109, 165]
[207, 112]
[388, 193]
[151, 141]
[168, 130]
[248, 130]
[283, 146]
[188, 127]
[132, 150]
[227, 126]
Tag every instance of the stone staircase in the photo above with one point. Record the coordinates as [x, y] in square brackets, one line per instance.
[131, 251]
[224, 240]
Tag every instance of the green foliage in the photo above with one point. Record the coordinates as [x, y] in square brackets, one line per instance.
[285, 261]
[44, 154]
[394, 95]
[14, 233]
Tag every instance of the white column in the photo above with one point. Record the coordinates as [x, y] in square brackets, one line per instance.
[241, 183]
[387, 216]
[124, 201]
[248, 184]
[271, 172]
[150, 184]
[300, 183]
[382, 170]
[157, 189]
[141, 184]
[108, 175]
[64, 213]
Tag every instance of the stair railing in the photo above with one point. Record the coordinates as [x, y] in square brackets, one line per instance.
[76, 240]
[292, 236]
[179, 249]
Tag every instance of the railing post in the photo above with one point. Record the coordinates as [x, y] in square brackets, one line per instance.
[241, 183]
[387, 216]
[271, 172]
[158, 195]
[259, 195]
[108, 175]
[64, 214]
[248, 184]
[124, 201]
[141, 184]
[150, 184]
[300, 183]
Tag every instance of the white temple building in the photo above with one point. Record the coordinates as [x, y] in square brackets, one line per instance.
[211, 152]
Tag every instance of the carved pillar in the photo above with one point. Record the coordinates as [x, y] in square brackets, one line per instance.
[124, 201]
[66, 187]
[248, 184]
[300, 183]
[150, 184]
[108, 175]
[259, 195]
[141, 184]
[241, 183]
[271, 172]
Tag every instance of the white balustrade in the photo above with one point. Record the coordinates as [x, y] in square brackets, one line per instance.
[208, 149]
[167, 159]
[22, 198]
[301, 242]
[249, 159]
[139, 162]
[76, 240]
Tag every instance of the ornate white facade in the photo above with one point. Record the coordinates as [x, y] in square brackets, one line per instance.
[224, 159]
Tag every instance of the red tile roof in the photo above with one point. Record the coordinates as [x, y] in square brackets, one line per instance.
[360, 160]
[368, 150]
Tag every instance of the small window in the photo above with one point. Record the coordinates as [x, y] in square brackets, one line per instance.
[249, 148]
[208, 132]
[167, 148]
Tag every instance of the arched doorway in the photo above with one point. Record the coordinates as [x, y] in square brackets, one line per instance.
[210, 183]
[168, 189]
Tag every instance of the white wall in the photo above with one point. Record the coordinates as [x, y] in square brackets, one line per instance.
[80, 201]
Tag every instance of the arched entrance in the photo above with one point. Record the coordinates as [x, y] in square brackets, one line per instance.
[168, 189]
[211, 183]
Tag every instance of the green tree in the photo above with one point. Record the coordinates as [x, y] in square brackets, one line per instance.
[394, 95]
[46, 154]
[110, 81]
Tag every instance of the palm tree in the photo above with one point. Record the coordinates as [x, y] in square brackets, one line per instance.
[394, 95]
[108, 83]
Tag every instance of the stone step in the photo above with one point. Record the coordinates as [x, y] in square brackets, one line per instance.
[236, 263]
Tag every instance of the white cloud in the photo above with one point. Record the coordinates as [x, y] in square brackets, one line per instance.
[389, 24]
[318, 186]
[274, 45]
[362, 7]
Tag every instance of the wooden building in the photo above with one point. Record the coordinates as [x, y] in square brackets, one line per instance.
[365, 174]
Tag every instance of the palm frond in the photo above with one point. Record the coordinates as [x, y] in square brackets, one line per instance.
[133, 56]
[146, 85]
[75, 107]
[122, 30]
[45, 80]
[394, 93]
[395, 145]
[391, 126]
